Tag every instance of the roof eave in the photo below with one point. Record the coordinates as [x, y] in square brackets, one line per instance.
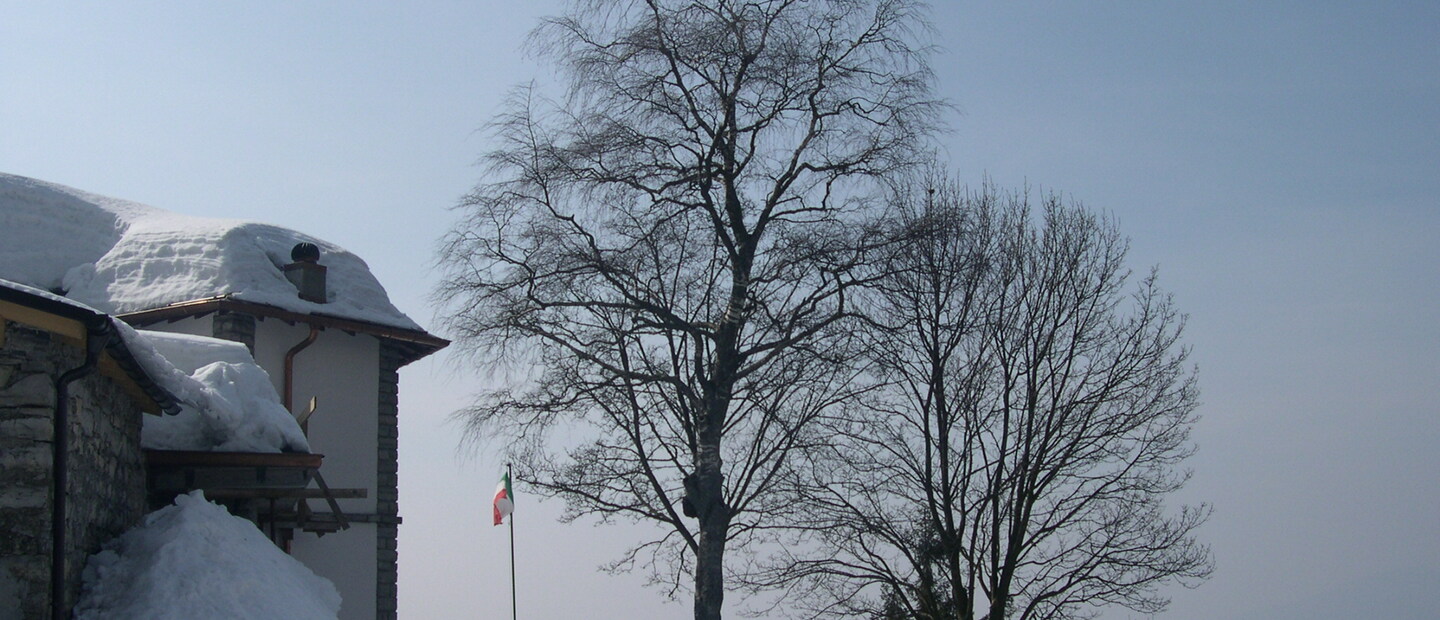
[92, 322]
[418, 343]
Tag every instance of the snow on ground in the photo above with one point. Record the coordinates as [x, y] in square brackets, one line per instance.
[121, 256]
[228, 401]
[195, 560]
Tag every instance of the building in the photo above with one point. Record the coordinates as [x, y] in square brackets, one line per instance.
[64, 377]
[311, 315]
[350, 369]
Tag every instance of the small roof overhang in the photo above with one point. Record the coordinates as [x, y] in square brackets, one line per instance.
[75, 324]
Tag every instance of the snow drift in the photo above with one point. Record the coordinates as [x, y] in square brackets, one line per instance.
[194, 559]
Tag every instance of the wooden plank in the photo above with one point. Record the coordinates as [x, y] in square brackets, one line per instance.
[291, 520]
[39, 319]
[110, 368]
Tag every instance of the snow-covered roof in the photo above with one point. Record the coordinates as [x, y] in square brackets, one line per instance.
[93, 321]
[223, 401]
[227, 403]
[120, 257]
[47, 295]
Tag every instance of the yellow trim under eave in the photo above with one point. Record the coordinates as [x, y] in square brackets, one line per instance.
[110, 368]
[73, 332]
[68, 328]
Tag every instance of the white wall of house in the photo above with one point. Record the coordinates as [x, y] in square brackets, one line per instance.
[348, 560]
[341, 370]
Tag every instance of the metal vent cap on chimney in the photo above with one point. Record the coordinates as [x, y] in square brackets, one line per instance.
[306, 273]
[305, 252]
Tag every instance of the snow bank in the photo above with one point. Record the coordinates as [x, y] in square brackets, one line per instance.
[195, 560]
[228, 403]
[121, 256]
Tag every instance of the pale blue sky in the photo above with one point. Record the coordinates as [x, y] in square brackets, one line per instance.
[1280, 162]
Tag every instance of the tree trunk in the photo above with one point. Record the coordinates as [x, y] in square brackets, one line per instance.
[712, 512]
[714, 518]
[709, 568]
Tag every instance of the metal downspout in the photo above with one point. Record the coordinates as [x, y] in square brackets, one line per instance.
[98, 335]
[290, 399]
[290, 366]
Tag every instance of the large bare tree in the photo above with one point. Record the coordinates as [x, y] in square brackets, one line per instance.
[668, 251]
[1035, 410]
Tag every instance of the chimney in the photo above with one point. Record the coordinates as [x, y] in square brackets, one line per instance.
[306, 273]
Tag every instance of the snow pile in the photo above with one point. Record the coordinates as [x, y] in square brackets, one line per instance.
[195, 560]
[227, 401]
[121, 256]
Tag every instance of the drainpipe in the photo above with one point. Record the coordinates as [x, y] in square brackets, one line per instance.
[98, 335]
[290, 366]
[308, 276]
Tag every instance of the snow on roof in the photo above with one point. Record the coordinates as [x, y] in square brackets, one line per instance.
[195, 560]
[47, 295]
[227, 402]
[120, 256]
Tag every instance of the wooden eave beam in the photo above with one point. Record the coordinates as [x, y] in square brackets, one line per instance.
[281, 493]
[68, 328]
[112, 369]
[424, 343]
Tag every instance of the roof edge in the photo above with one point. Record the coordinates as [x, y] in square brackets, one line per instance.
[421, 343]
[95, 324]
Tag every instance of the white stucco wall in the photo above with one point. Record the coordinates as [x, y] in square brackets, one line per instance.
[342, 371]
[348, 560]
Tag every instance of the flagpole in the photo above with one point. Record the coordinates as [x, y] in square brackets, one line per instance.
[513, 613]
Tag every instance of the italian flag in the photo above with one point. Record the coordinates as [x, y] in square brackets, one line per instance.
[504, 499]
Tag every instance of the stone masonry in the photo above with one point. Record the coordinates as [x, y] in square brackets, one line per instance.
[236, 327]
[387, 496]
[106, 492]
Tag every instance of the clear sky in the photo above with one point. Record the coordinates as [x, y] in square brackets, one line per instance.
[1279, 162]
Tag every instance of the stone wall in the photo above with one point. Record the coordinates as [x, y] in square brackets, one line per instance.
[235, 327]
[106, 494]
[387, 495]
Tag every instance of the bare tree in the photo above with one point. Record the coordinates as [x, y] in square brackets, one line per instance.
[670, 251]
[1036, 410]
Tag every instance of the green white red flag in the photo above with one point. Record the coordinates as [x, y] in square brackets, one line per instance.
[504, 499]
